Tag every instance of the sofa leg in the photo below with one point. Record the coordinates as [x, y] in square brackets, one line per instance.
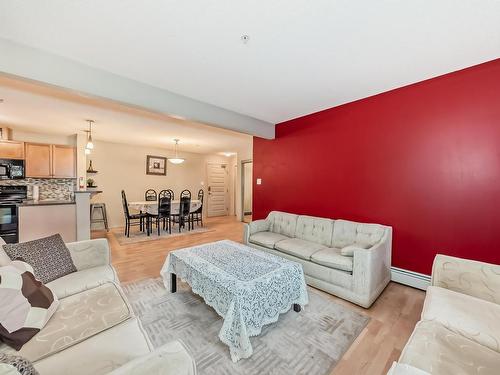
[296, 307]
[173, 283]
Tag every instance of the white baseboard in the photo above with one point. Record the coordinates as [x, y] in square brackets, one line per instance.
[410, 278]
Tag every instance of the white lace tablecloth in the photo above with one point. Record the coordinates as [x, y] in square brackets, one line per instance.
[151, 207]
[248, 288]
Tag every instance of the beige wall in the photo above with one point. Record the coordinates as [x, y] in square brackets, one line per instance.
[122, 166]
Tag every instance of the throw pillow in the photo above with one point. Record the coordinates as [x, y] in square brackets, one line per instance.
[27, 304]
[49, 257]
[348, 251]
[18, 364]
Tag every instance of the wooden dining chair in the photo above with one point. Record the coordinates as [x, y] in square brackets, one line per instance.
[185, 213]
[171, 193]
[163, 217]
[150, 195]
[197, 216]
[131, 219]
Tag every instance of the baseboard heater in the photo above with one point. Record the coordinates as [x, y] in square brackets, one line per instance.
[410, 278]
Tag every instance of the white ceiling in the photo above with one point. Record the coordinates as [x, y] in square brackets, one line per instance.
[303, 56]
[33, 108]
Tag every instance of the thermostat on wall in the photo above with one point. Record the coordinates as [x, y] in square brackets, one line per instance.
[259, 181]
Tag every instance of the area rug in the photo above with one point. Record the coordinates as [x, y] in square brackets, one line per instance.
[137, 236]
[310, 342]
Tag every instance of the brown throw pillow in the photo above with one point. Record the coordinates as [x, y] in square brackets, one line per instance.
[49, 257]
[21, 364]
[27, 304]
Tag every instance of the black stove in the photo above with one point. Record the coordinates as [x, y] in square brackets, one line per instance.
[10, 197]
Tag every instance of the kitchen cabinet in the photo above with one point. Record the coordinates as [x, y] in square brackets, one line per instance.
[11, 149]
[63, 161]
[50, 161]
[38, 160]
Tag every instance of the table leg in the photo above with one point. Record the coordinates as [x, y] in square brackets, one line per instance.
[296, 307]
[173, 283]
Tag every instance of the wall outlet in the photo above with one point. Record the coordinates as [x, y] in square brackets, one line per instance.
[259, 181]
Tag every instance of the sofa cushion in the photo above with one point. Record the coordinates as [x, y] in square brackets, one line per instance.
[314, 229]
[266, 239]
[437, 350]
[80, 281]
[49, 257]
[79, 317]
[26, 304]
[283, 223]
[331, 257]
[99, 354]
[299, 248]
[347, 233]
[474, 318]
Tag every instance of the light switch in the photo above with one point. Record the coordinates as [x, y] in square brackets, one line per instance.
[259, 181]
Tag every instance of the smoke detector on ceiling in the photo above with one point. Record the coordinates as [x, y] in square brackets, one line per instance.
[245, 38]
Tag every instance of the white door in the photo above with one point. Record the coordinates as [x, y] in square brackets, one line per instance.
[218, 190]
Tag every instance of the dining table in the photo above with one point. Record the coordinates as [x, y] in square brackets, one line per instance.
[151, 207]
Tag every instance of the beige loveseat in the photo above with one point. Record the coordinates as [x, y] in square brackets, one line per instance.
[459, 330]
[94, 330]
[319, 244]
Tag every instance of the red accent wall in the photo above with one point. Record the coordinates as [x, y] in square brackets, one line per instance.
[423, 158]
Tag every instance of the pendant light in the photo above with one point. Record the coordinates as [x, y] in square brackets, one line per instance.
[90, 144]
[176, 159]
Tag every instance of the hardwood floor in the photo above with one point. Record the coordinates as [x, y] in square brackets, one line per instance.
[393, 315]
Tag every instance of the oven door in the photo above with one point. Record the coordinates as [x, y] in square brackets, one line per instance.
[8, 222]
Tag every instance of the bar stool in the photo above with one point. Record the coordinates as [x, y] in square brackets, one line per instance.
[103, 218]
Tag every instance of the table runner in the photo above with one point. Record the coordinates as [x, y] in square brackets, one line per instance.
[247, 287]
[151, 207]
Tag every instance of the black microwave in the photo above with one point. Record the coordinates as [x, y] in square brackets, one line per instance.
[11, 169]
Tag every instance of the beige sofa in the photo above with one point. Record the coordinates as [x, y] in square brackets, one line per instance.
[318, 244]
[459, 330]
[94, 330]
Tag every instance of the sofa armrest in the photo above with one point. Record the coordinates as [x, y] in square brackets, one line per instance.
[90, 253]
[170, 359]
[476, 279]
[372, 268]
[255, 227]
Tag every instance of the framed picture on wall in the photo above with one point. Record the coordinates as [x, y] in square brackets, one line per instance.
[156, 165]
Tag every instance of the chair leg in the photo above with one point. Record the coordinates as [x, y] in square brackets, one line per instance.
[158, 221]
[105, 217]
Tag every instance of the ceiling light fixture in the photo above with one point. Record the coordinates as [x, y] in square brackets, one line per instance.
[90, 144]
[176, 159]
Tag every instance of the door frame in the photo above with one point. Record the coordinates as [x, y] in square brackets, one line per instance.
[227, 183]
[242, 182]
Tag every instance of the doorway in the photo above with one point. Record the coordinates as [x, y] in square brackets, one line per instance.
[246, 190]
[218, 190]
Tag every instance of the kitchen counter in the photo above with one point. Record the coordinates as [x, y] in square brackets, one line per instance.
[44, 203]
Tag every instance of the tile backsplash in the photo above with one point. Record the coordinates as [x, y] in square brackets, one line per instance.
[50, 188]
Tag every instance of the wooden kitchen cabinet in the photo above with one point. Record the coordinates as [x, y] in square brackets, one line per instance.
[11, 149]
[50, 161]
[63, 161]
[38, 160]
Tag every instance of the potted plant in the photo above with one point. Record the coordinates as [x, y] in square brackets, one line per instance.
[90, 183]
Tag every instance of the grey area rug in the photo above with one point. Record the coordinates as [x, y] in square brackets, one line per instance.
[310, 342]
[137, 236]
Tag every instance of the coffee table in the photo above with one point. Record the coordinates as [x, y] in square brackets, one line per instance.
[248, 288]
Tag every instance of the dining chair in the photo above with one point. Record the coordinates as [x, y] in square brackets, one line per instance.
[197, 216]
[130, 219]
[150, 195]
[185, 193]
[171, 193]
[185, 213]
[163, 216]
